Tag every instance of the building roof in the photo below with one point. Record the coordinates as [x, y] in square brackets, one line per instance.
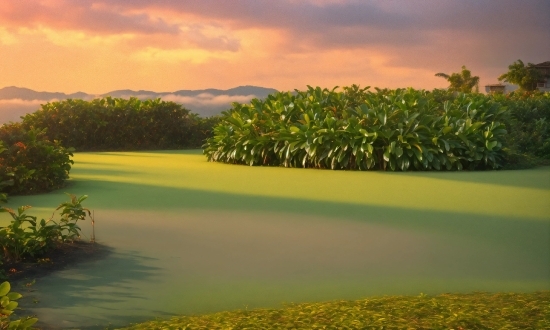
[543, 64]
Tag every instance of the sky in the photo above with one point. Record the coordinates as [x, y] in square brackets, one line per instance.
[96, 46]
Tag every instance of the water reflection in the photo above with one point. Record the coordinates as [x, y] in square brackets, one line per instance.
[90, 293]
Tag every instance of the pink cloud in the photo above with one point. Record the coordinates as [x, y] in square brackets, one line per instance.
[80, 15]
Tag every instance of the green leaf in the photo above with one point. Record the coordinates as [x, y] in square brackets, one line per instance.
[29, 322]
[398, 151]
[294, 129]
[418, 154]
[387, 154]
[14, 296]
[4, 288]
[11, 306]
[491, 145]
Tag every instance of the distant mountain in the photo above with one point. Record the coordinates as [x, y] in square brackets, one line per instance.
[259, 92]
[16, 101]
[25, 94]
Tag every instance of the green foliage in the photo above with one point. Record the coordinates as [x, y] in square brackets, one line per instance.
[462, 82]
[119, 124]
[447, 311]
[403, 129]
[8, 303]
[525, 76]
[529, 125]
[29, 162]
[26, 237]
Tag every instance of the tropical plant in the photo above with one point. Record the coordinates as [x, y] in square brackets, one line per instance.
[26, 237]
[403, 129]
[8, 304]
[525, 76]
[462, 82]
[30, 163]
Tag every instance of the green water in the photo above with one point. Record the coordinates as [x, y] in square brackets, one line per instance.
[188, 236]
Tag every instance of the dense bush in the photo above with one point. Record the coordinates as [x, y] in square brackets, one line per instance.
[120, 124]
[30, 163]
[529, 125]
[403, 129]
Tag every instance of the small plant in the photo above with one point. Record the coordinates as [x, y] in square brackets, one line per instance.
[26, 237]
[8, 304]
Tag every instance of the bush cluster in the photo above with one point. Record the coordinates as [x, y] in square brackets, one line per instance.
[120, 124]
[402, 129]
[30, 162]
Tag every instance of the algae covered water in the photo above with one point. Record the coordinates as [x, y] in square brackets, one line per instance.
[187, 236]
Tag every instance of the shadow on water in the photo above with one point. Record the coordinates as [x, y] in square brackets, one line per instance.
[148, 197]
[97, 286]
[527, 238]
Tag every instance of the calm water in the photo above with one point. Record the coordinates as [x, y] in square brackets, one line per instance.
[178, 247]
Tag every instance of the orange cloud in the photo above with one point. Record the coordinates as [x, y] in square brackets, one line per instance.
[100, 45]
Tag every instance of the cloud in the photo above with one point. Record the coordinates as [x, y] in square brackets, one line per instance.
[80, 15]
[69, 22]
[361, 22]
[13, 109]
[204, 104]
[207, 99]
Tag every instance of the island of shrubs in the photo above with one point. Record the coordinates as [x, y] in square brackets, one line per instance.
[397, 130]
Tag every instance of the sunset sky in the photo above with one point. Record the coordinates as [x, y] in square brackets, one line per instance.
[97, 46]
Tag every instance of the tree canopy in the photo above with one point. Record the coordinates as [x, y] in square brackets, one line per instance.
[461, 82]
[525, 76]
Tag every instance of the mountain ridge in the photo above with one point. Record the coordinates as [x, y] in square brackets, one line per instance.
[27, 94]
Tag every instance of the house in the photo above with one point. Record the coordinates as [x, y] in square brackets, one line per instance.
[544, 68]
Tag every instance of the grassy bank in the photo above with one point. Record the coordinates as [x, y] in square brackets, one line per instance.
[446, 311]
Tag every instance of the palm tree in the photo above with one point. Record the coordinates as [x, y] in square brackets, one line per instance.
[461, 82]
[525, 76]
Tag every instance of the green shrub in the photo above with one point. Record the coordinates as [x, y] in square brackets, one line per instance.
[25, 237]
[529, 125]
[119, 124]
[8, 303]
[356, 129]
[30, 163]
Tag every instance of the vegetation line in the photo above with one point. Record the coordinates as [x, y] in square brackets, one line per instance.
[447, 311]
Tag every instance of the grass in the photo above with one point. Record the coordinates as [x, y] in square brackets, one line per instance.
[192, 237]
[446, 311]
